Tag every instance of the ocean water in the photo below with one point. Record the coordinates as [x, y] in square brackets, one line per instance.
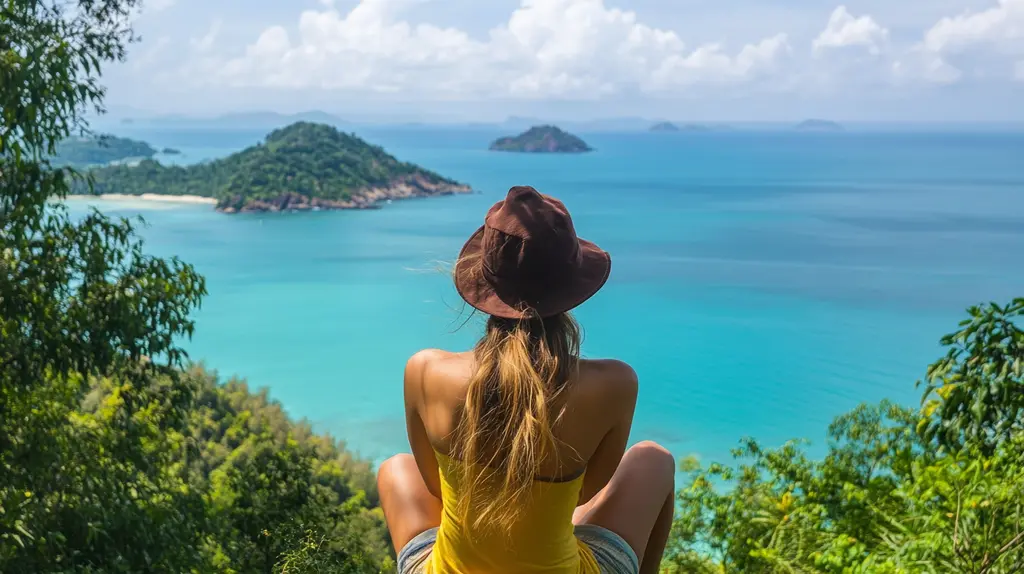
[762, 282]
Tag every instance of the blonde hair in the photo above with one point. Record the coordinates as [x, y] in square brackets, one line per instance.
[506, 428]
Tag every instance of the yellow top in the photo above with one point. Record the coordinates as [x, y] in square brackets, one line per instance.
[542, 542]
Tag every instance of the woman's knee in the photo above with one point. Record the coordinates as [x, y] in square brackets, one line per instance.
[392, 471]
[653, 460]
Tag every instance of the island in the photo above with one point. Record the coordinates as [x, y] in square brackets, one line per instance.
[669, 127]
[664, 127]
[304, 166]
[170, 151]
[87, 151]
[542, 139]
[819, 126]
[702, 128]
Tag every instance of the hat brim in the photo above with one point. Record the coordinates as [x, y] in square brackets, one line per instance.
[585, 280]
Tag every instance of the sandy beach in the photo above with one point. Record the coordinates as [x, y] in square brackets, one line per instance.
[148, 197]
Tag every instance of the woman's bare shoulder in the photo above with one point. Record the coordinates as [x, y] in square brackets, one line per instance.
[437, 368]
[613, 377]
[425, 358]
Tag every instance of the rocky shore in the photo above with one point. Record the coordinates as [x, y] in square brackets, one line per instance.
[368, 198]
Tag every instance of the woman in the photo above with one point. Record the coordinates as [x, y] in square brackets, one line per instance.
[519, 460]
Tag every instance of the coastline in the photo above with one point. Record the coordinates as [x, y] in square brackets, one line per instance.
[370, 198]
[194, 199]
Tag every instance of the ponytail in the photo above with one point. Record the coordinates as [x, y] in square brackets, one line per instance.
[505, 431]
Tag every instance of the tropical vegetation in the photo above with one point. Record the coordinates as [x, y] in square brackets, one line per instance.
[115, 454]
[307, 160]
[84, 151]
[542, 139]
[939, 489]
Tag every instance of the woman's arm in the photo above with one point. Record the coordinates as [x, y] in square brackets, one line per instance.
[422, 450]
[619, 402]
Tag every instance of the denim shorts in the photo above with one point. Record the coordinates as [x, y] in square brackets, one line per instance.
[613, 554]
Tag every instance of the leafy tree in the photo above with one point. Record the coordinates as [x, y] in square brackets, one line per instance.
[113, 459]
[274, 487]
[900, 491]
[976, 392]
[80, 305]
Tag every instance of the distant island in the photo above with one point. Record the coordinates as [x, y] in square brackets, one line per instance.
[304, 166]
[819, 126]
[667, 127]
[701, 128]
[664, 127]
[542, 139]
[100, 150]
[170, 151]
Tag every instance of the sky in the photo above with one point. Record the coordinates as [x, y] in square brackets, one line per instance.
[485, 60]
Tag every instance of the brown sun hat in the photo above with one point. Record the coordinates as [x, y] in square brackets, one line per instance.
[526, 261]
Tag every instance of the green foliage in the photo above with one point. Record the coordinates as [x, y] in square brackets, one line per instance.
[112, 459]
[976, 392]
[900, 491]
[542, 139]
[100, 150]
[311, 160]
[80, 306]
[273, 487]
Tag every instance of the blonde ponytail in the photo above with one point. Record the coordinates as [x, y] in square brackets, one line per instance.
[505, 431]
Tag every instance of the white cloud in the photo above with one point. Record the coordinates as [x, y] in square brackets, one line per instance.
[1001, 26]
[844, 30]
[377, 51]
[547, 48]
[709, 63]
[920, 64]
[982, 44]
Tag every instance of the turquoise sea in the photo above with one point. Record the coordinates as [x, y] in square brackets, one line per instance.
[762, 283]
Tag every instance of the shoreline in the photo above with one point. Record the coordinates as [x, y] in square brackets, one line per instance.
[367, 198]
[156, 197]
[371, 198]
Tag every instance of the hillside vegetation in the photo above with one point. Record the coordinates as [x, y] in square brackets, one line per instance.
[88, 151]
[939, 489]
[117, 455]
[302, 166]
[541, 139]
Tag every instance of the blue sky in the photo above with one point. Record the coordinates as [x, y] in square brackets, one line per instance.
[886, 60]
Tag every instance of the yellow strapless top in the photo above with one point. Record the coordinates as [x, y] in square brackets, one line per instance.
[542, 542]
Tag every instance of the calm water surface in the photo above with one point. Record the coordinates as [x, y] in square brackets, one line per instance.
[762, 283]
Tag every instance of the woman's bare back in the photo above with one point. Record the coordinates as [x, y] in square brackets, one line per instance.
[592, 416]
[523, 393]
